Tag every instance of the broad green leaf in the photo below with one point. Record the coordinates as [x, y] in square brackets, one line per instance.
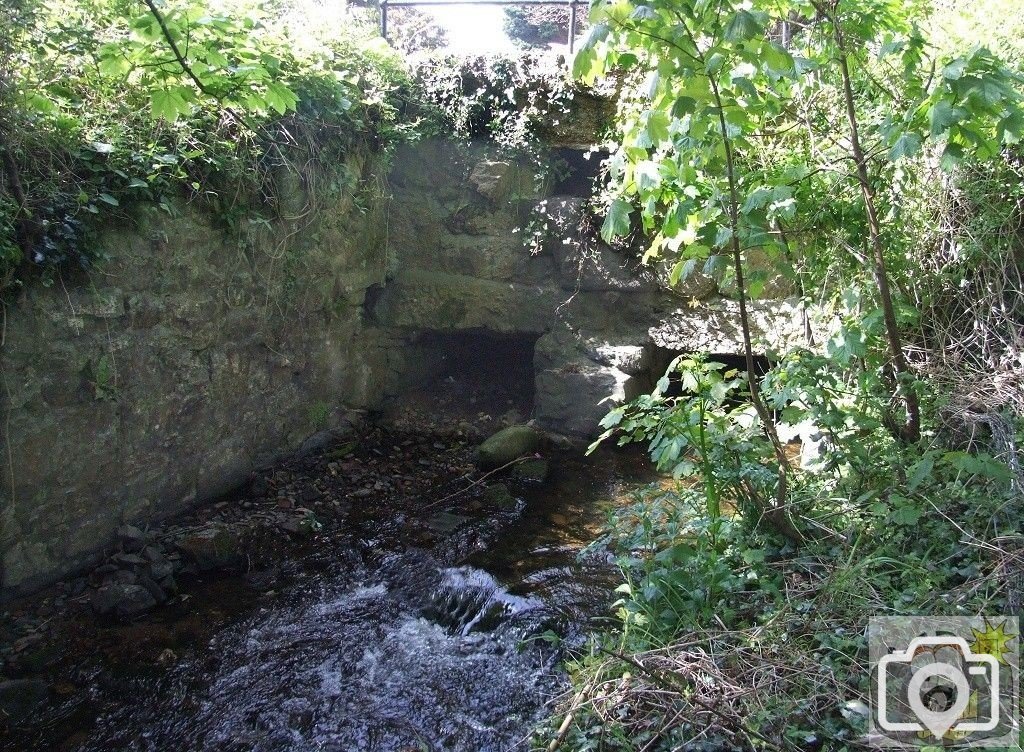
[1011, 128]
[167, 104]
[647, 174]
[952, 155]
[743, 26]
[907, 145]
[906, 515]
[41, 103]
[919, 471]
[644, 13]
[616, 222]
[954, 69]
[942, 115]
[280, 97]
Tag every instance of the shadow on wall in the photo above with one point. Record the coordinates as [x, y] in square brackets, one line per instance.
[462, 373]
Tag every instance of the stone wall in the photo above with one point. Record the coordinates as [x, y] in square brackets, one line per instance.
[194, 355]
[459, 261]
[169, 372]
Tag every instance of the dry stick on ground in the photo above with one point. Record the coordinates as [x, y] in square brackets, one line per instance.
[479, 480]
[575, 705]
[669, 681]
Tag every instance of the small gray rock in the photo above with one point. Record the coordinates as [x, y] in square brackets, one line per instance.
[131, 560]
[534, 469]
[131, 538]
[498, 495]
[211, 548]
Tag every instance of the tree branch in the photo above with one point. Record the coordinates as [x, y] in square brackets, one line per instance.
[182, 60]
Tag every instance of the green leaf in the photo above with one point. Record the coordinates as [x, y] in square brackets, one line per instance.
[108, 199]
[114, 65]
[682, 269]
[684, 106]
[942, 115]
[951, 156]
[644, 13]
[647, 175]
[40, 103]
[919, 471]
[906, 515]
[716, 266]
[657, 127]
[280, 97]
[168, 104]
[954, 69]
[1011, 128]
[616, 222]
[907, 145]
[981, 464]
[743, 26]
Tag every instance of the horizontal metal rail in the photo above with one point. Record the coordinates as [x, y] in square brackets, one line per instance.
[572, 4]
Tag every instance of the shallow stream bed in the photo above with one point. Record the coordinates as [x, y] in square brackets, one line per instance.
[410, 626]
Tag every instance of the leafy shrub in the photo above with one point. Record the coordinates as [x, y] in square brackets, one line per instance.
[106, 104]
[500, 98]
[540, 25]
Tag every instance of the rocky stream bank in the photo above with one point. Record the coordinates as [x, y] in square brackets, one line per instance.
[380, 508]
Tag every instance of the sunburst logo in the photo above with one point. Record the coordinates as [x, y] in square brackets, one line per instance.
[993, 640]
[945, 681]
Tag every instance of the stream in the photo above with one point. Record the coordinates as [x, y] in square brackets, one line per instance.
[373, 641]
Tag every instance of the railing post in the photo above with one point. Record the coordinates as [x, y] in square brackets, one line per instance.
[384, 19]
[572, 26]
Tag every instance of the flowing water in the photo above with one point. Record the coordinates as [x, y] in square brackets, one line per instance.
[377, 644]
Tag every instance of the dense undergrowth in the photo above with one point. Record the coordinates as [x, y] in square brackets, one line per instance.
[99, 115]
[109, 105]
[872, 150]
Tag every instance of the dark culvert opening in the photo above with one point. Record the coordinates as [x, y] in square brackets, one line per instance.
[663, 357]
[578, 172]
[465, 373]
[373, 296]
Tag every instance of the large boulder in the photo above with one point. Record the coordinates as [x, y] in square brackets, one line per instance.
[123, 599]
[580, 378]
[572, 400]
[508, 445]
[211, 548]
[499, 180]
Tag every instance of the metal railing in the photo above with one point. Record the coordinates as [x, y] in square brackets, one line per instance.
[572, 4]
